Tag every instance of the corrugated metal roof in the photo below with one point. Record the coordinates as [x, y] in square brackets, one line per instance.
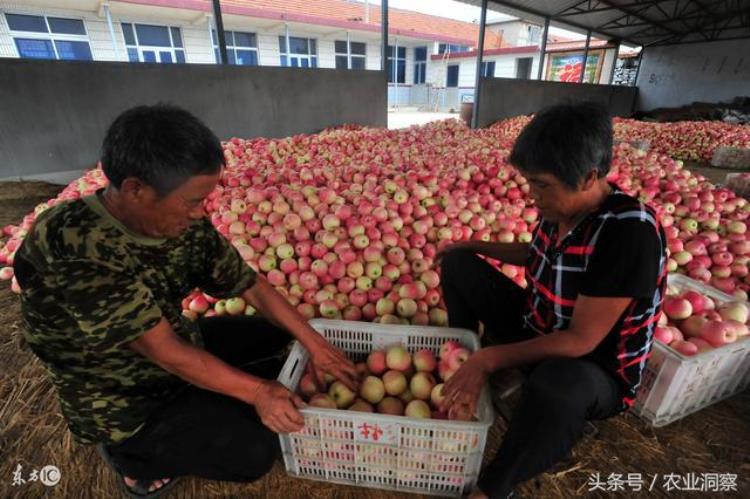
[647, 22]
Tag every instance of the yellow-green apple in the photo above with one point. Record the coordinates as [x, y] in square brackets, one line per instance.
[372, 389]
[341, 394]
[421, 385]
[398, 358]
[418, 409]
[395, 382]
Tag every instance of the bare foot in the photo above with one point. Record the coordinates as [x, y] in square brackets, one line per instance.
[155, 485]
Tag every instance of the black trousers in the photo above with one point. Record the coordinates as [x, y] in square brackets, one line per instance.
[206, 434]
[559, 395]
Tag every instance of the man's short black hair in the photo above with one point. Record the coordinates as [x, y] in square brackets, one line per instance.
[567, 141]
[161, 145]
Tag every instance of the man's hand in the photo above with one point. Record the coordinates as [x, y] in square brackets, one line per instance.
[462, 390]
[277, 407]
[327, 359]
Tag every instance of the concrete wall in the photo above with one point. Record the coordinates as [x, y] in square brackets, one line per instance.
[676, 75]
[54, 114]
[505, 97]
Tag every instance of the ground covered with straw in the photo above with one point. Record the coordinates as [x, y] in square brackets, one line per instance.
[33, 433]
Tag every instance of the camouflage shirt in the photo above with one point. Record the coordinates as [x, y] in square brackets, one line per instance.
[91, 286]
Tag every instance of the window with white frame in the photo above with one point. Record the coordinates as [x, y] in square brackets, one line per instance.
[48, 37]
[350, 55]
[152, 43]
[302, 53]
[242, 48]
[420, 65]
[396, 66]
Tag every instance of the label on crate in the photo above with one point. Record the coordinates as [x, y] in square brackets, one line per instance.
[374, 431]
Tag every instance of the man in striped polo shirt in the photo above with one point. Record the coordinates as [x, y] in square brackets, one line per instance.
[583, 329]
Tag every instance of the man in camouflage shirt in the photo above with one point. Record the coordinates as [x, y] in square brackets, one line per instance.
[102, 281]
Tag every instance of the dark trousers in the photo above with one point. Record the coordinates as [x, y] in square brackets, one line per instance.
[559, 395]
[206, 434]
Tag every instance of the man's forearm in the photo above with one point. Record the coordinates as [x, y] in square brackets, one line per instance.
[204, 370]
[512, 253]
[559, 344]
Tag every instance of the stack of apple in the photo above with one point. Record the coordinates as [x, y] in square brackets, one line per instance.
[689, 140]
[693, 323]
[346, 223]
[393, 382]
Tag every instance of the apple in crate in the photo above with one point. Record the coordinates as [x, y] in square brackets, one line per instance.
[458, 357]
[392, 406]
[395, 382]
[341, 394]
[448, 347]
[677, 308]
[307, 385]
[734, 311]
[693, 325]
[360, 405]
[703, 345]
[421, 385]
[323, 401]
[418, 409]
[406, 396]
[362, 371]
[398, 358]
[684, 347]
[436, 396]
[372, 389]
[718, 333]
[424, 360]
[664, 334]
[376, 362]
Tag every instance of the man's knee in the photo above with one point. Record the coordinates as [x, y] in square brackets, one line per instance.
[556, 382]
[253, 455]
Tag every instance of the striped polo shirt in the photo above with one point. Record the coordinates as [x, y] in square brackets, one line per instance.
[619, 250]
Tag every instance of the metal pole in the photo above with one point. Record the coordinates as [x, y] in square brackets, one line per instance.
[348, 52]
[543, 49]
[638, 69]
[614, 62]
[384, 34]
[395, 72]
[585, 56]
[210, 34]
[220, 32]
[478, 78]
[286, 41]
[112, 32]
[367, 11]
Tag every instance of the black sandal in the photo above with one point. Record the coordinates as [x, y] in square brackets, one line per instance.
[140, 489]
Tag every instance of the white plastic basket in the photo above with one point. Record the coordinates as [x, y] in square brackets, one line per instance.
[431, 456]
[676, 385]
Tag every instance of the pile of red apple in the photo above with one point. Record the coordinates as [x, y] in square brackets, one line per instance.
[688, 140]
[693, 323]
[393, 382]
[346, 223]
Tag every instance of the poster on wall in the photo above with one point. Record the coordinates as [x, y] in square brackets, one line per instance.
[567, 67]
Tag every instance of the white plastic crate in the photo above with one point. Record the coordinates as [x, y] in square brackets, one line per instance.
[675, 385]
[430, 456]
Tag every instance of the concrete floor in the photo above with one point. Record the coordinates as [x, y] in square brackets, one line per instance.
[403, 119]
